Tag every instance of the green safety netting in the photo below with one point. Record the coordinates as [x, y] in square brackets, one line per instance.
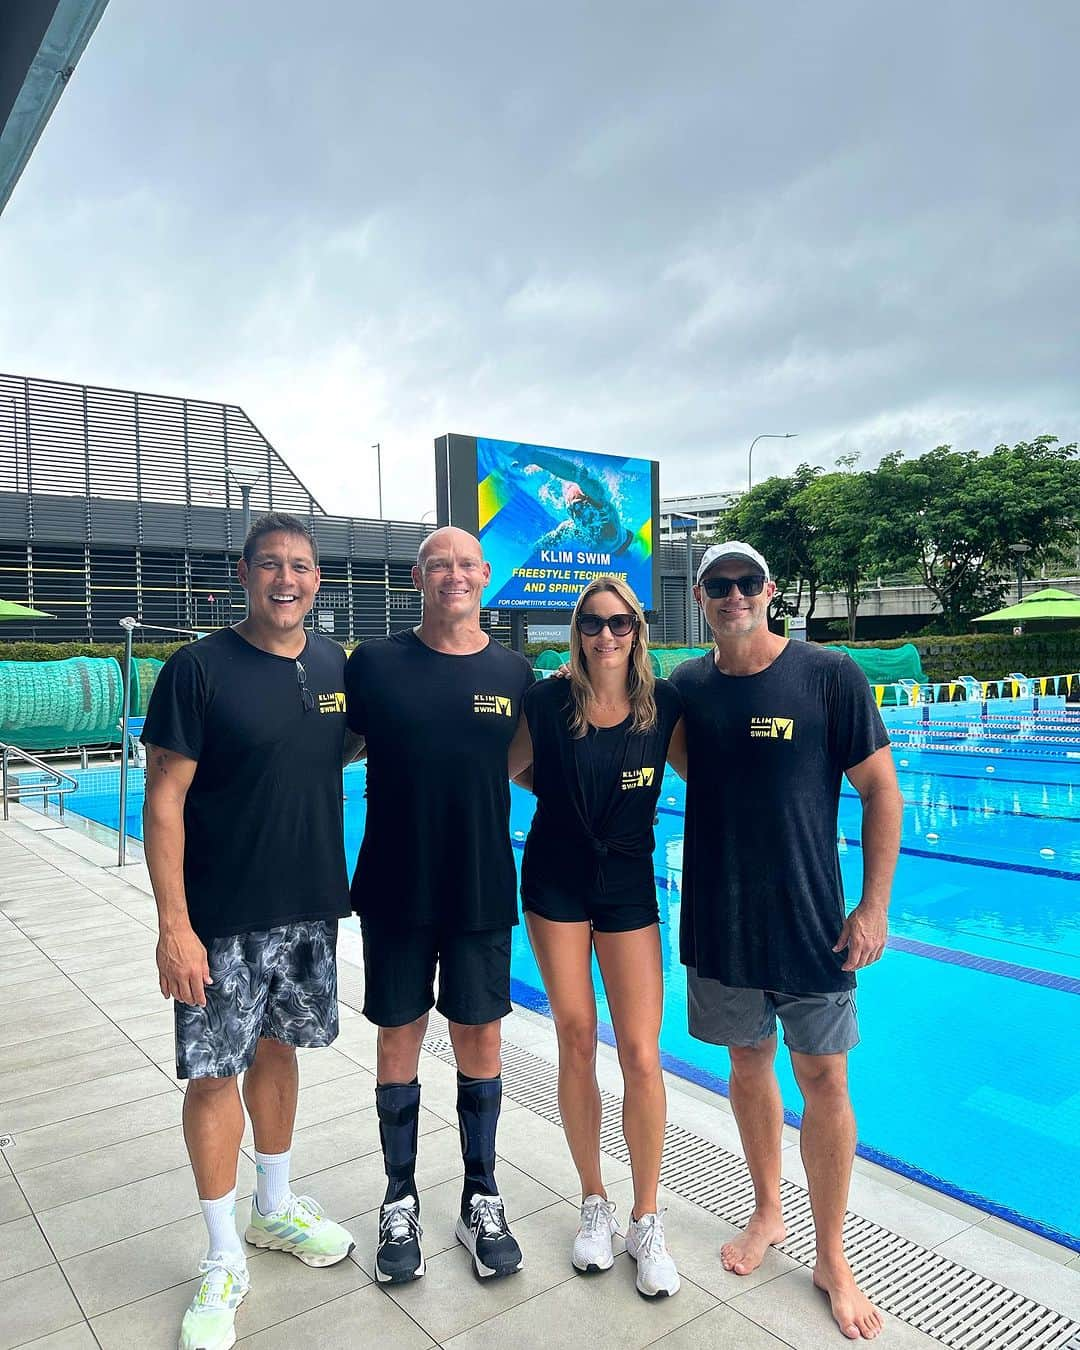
[665, 659]
[46, 705]
[144, 673]
[886, 665]
[551, 660]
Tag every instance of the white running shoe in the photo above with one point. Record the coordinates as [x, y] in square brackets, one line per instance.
[208, 1322]
[592, 1244]
[656, 1273]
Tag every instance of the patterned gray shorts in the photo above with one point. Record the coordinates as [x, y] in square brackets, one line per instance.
[279, 984]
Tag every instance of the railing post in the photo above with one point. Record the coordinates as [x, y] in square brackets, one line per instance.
[7, 815]
[128, 625]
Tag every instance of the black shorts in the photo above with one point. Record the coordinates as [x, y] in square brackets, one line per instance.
[278, 985]
[606, 913]
[399, 974]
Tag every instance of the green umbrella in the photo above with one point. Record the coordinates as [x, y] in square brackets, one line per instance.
[1049, 603]
[9, 609]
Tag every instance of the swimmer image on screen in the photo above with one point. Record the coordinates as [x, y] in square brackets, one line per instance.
[550, 520]
[592, 516]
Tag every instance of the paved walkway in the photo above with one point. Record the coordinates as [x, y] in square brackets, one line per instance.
[100, 1231]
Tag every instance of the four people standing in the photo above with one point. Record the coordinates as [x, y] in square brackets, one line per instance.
[762, 730]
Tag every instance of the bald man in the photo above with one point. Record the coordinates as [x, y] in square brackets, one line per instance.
[435, 885]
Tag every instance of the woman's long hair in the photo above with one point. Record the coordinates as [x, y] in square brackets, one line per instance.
[640, 680]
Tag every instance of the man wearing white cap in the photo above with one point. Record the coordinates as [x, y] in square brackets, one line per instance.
[772, 727]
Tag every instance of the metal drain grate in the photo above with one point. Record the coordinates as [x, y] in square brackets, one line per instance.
[959, 1308]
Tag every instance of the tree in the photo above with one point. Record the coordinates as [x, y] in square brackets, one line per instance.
[841, 512]
[955, 513]
[770, 518]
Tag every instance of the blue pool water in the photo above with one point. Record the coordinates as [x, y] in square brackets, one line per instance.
[968, 1075]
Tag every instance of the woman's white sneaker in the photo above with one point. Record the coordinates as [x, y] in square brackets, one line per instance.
[592, 1245]
[656, 1273]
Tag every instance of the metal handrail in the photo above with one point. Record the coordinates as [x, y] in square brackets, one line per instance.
[63, 784]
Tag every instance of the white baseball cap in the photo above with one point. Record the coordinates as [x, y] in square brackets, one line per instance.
[732, 548]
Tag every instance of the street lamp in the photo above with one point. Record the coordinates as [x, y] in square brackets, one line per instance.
[765, 436]
[377, 447]
[245, 485]
[1018, 551]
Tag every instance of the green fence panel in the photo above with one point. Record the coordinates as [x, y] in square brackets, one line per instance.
[46, 705]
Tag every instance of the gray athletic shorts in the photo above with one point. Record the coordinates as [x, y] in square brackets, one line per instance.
[814, 1024]
[279, 984]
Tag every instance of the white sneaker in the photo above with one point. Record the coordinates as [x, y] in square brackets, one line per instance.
[656, 1273]
[592, 1245]
[208, 1322]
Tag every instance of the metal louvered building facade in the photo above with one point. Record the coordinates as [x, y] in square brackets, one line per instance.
[116, 503]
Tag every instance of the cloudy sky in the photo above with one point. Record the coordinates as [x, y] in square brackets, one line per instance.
[644, 228]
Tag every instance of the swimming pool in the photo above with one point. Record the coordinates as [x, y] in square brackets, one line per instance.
[968, 1075]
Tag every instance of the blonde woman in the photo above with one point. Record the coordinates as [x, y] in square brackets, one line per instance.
[597, 742]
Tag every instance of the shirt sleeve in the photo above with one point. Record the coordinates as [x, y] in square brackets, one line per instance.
[176, 717]
[857, 729]
[529, 708]
[355, 704]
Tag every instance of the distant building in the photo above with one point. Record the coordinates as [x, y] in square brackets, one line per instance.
[707, 508]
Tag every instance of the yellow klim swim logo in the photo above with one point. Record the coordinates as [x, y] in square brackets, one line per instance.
[775, 728]
[637, 778]
[332, 703]
[493, 703]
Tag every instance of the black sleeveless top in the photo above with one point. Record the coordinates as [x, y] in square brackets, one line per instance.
[596, 799]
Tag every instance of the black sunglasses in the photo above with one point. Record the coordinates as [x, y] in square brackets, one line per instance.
[719, 588]
[620, 624]
[307, 698]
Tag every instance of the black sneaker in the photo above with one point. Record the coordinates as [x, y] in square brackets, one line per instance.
[486, 1235]
[399, 1257]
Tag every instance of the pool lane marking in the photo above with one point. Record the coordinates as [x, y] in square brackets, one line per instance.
[987, 965]
[977, 778]
[995, 864]
[1031, 869]
[974, 810]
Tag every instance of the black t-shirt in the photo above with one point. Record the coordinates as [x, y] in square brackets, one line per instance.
[762, 898]
[264, 842]
[596, 800]
[598, 757]
[436, 847]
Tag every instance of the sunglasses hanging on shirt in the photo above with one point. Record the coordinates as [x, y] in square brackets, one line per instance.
[307, 698]
[719, 588]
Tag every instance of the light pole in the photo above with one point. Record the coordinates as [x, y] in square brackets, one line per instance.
[245, 525]
[377, 447]
[1018, 551]
[765, 436]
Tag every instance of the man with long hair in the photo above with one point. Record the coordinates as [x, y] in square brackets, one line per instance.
[772, 728]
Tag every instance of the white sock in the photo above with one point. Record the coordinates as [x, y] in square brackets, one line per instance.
[220, 1216]
[271, 1180]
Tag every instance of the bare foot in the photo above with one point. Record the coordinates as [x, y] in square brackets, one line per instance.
[746, 1252]
[855, 1315]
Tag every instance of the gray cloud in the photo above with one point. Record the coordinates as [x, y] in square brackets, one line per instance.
[642, 228]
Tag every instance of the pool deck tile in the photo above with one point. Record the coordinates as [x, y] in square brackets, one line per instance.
[99, 1226]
